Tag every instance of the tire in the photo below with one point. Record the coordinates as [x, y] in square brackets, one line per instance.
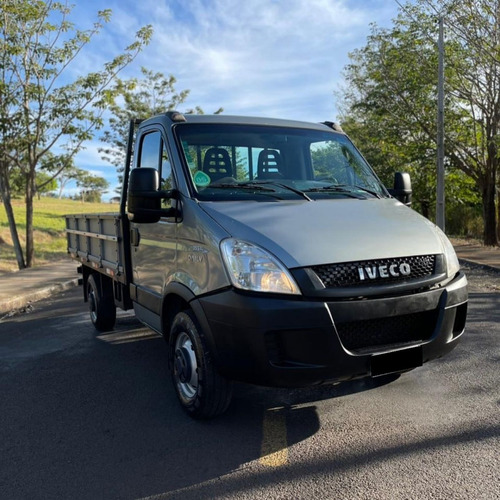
[202, 392]
[101, 303]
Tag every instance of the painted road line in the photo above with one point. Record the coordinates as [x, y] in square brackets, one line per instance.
[274, 451]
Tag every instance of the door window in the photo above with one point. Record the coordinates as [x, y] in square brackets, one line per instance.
[154, 154]
[150, 150]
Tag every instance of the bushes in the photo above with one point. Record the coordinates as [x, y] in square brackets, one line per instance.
[464, 220]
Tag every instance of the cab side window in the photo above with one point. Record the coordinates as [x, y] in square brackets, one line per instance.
[150, 150]
[154, 154]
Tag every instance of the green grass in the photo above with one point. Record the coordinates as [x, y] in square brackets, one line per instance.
[49, 228]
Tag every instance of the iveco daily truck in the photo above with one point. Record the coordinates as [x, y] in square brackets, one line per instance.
[267, 251]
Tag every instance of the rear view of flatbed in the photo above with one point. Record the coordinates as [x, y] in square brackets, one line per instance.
[97, 241]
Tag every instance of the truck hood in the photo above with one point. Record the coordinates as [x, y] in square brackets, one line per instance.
[307, 233]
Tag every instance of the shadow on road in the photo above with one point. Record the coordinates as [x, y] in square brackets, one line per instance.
[88, 416]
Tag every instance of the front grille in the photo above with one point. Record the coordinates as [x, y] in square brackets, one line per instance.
[370, 272]
[393, 331]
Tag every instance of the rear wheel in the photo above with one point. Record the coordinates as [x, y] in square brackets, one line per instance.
[201, 390]
[101, 303]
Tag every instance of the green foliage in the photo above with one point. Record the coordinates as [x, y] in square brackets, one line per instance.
[39, 108]
[136, 98]
[45, 183]
[61, 169]
[389, 107]
[92, 186]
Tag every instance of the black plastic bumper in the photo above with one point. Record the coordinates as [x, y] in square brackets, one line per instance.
[296, 342]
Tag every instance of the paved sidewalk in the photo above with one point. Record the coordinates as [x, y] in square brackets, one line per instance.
[18, 289]
[475, 253]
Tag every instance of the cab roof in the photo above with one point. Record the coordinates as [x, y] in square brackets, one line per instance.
[174, 117]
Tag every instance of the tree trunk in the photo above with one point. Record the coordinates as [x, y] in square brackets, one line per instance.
[498, 213]
[489, 189]
[489, 215]
[5, 194]
[30, 244]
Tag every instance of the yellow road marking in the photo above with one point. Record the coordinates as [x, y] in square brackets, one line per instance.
[274, 451]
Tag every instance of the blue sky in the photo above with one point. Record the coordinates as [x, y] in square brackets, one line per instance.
[277, 58]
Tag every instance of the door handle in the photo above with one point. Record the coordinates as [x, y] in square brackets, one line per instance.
[135, 237]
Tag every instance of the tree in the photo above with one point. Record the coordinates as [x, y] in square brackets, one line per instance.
[45, 183]
[39, 109]
[135, 98]
[92, 186]
[62, 169]
[474, 26]
[391, 92]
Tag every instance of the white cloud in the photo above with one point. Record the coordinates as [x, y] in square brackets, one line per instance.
[258, 57]
[90, 156]
[280, 58]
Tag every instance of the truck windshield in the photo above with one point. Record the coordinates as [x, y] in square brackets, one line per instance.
[234, 162]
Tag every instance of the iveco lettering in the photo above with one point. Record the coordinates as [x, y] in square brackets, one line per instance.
[267, 251]
[384, 271]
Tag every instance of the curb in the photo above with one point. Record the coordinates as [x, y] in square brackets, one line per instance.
[16, 303]
[479, 264]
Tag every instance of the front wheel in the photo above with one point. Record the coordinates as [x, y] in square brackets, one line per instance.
[202, 392]
[101, 304]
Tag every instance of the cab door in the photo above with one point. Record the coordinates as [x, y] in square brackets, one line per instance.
[153, 245]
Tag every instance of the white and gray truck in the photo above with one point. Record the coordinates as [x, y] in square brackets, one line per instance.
[267, 251]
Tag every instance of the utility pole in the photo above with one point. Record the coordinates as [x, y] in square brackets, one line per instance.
[440, 205]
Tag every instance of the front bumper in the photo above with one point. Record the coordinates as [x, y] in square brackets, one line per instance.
[296, 342]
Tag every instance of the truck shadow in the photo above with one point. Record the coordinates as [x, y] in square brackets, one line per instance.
[194, 452]
[100, 419]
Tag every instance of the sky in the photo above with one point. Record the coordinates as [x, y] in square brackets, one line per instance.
[271, 58]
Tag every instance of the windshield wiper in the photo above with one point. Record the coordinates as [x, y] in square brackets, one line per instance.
[284, 186]
[347, 189]
[245, 185]
[361, 188]
[344, 188]
[335, 189]
[257, 190]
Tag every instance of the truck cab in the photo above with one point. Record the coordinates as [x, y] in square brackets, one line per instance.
[268, 251]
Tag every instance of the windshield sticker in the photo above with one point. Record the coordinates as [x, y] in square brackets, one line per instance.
[201, 179]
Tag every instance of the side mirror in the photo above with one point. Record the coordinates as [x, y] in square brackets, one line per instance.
[402, 188]
[143, 201]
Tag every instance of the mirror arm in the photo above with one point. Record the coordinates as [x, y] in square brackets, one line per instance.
[172, 194]
[166, 212]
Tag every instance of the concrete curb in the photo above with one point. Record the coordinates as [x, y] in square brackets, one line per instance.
[20, 301]
[479, 264]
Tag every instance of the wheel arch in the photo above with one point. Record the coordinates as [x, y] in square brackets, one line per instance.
[86, 272]
[98, 293]
[105, 283]
[177, 298]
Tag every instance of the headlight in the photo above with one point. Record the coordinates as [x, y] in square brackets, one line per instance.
[452, 264]
[250, 267]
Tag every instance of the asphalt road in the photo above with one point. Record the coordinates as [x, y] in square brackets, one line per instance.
[90, 417]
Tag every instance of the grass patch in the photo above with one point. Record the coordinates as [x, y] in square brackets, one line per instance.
[49, 228]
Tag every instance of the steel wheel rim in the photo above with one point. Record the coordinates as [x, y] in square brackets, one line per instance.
[185, 367]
